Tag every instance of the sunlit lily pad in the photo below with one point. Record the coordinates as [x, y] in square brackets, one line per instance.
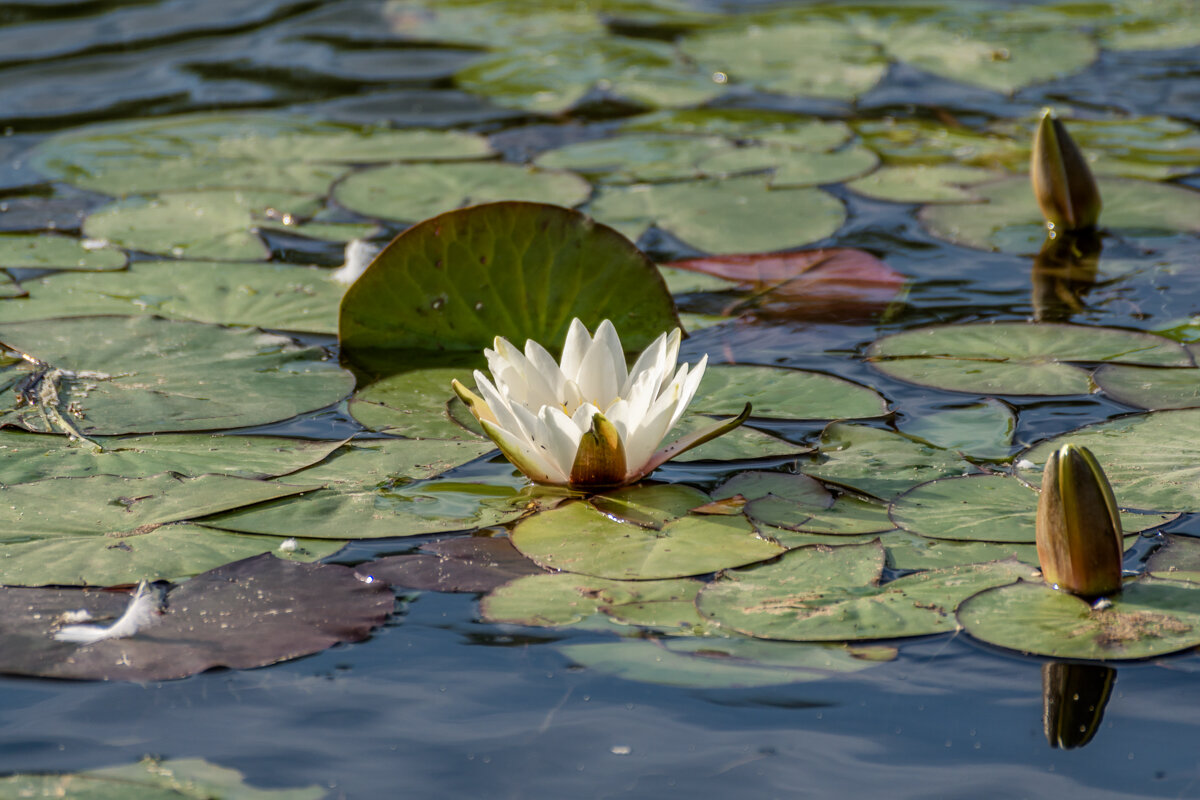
[1150, 459]
[909, 551]
[9, 288]
[322, 231]
[1147, 387]
[830, 594]
[115, 375]
[792, 487]
[248, 614]
[46, 251]
[469, 564]
[275, 296]
[1014, 357]
[980, 430]
[1008, 220]
[1149, 617]
[848, 515]
[736, 445]
[920, 144]
[649, 506]
[414, 404]
[936, 183]
[149, 779]
[488, 24]
[1178, 559]
[784, 393]
[577, 538]
[790, 167]
[879, 462]
[412, 192]
[637, 157]
[747, 125]
[722, 663]
[518, 270]
[737, 215]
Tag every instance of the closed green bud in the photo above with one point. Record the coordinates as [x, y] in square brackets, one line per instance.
[1078, 527]
[1062, 182]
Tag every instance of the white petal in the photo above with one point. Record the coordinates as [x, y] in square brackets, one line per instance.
[562, 436]
[571, 398]
[651, 429]
[500, 405]
[575, 348]
[690, 385]
[602, 371]
[546, 366]
[523, 456]
[647, 362]
[525, 382]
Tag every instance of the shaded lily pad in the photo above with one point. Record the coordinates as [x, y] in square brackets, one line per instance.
[980, 430]
[736, 215]
[1008, 220]
[150, 779]
[722, 663]
[649, 506]
[827, 594]
[736, 445]
[414, 404]
[323, 231]
[110, 375]
[909, 551]
[791, 487]
[1149, 617]
[276, 296]
[848, 515]
[879, 462]
[248, 614]
[412, 192]
[1178, 559]
[784, 393]
[577, 538]
[518, 270]
[637, 157]
[1147, 387]
[934, 183]
[1015, 357]
[681, 281]
[472, 564]
[45, 251]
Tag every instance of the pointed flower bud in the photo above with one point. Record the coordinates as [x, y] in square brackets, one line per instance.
[1062, 183]
[600, 459]
[1078, 527]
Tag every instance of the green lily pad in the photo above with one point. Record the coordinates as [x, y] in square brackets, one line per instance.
[414, 404]
[737, 215]
[649, 506]
[793, 539]
[323, 231]
[9, 288]
[746, 125]
[799, 489]
[784, 393]
[557, 75]
[637, 157]
[1148, 618]
[194, 225]
[235, 151]
[486, 24]
[660, 607]
[722, 663]
[847, 516]
[828, 594]
[683, 281]
[980, 430]
[110, 375]
[1015, 357]
[569, 599]
[1009, 220]
[382, 488]
[909, 551]
[920, 145]
[934, 183]
[820, 58]
[26, 457]
[276, 296]
[988, 508]
[412, 192]
[738, 444]
[169, 552]
[149, 779]
[1150, 459]
[1150, 388]
[791, 167]
[518, 270]
[1177, 560]
[46, 251]
[1160, 26]
[575, 537]
[879, 462]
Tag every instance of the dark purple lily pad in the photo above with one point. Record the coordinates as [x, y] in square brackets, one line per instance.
[472, 564]
[247, 614]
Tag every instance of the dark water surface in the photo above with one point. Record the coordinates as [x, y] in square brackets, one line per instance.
[437, 704]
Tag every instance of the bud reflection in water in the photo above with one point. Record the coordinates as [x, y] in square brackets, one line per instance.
[1073, 701]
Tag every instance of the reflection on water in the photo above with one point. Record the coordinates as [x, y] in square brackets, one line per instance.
[1073, 701]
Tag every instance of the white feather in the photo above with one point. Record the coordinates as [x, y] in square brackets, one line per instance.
[140, 612]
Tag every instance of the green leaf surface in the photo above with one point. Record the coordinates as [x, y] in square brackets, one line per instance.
[879, 462]
[46, 251]
[1178, 559]
[415, 404]
[736, 445]
[575, 537]
[637, 157]
[909, 551]
[921, 145]
[1150, 388]
[784, 393]
[569, 599]
[790, 167]
[649, 506]
[116, 375]
[517, 270]
[790, 487]
[746, 125]
[486, 24]
[980, 430]
[1147, 618]
[936, 183]
[847, 516]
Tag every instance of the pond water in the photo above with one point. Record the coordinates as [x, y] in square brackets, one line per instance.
[438, 703]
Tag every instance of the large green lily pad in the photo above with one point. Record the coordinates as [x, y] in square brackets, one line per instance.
[110, 375]
[746, 125]
[487, 24]
[1148, 618]
[879, 462]
[737, 215]
[784, 393]
[1178, 559]
[791, 167]
[46, 251]
[979, 430]
[412, 192]
[414, 404]
[275, 296]
[1016, 358]
[650, 506]
[753, 485]
[909, 551]
[921, 144]
[738, 444]
[518, 270]
[637, 157]
[1009, 220]
[1146, 387]
[575, 537]
[921, 183]
[848, 515]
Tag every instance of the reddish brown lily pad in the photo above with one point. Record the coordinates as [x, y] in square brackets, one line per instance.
[247, 614]
[472, 564]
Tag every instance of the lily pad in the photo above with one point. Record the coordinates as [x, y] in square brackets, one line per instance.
[487, 24]
[980, 430]
[784, 393]
[414, 404]
[471, 564]
[577, 538]
[934, 183]
[110, 375]
[46, 251]
[736, 215]
[827, 594]
[737, 445]
[569, 599]
[791, 168]
[9, 288]
[722, 663]
[1150, 388]
[921, 144]
[649, 506]
[1008, 220]
[1178, 559]
[518, 270]
[1014, 357]
[879, 462]
[1149, 617]
[909, 551]
[791, 487]
[248, 614]
[746, 125]
[275, 296]
[149, 779]
[637, 157]
[412, 192]
[848, 515]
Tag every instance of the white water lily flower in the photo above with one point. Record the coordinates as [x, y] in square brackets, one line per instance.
[587, 422]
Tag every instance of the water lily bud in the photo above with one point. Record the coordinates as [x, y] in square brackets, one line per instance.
[1062, 182]
[600, 459]
[1078, 527]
